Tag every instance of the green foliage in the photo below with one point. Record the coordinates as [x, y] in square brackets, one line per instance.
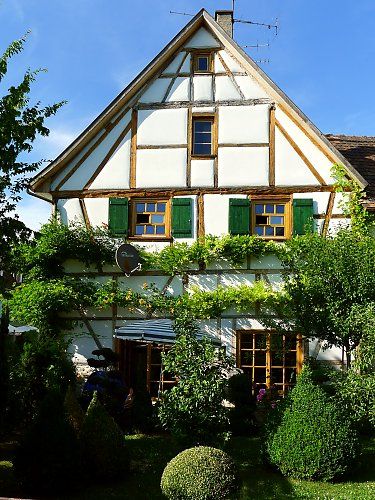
[193, 409]
[43, 258]
[37, 303]
[200, 473]
[48, 460]
[103, 443]
[311, 436]
[73, 411]
[330, 287]
[20, 124]
[41, 367]
[353, 202]
[357, 393]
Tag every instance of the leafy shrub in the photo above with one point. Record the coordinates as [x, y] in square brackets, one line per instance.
[193, 409]
[357, 393]
[309, 436]
[200, 473]
[41, 367]
[48, 459]
[103, 443]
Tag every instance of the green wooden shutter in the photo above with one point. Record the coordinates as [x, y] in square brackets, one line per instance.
[118, 220]
[239, 216]
[182, 209]
[303, 216]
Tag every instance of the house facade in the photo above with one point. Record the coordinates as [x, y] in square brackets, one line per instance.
[202, 142]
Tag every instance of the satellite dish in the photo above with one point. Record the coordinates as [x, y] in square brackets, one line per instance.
[128, 259]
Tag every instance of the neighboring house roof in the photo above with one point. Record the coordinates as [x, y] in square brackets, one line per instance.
[360, 152]
[201, 19]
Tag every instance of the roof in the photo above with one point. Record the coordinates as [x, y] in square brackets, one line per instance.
[202, 18]
[360, 152]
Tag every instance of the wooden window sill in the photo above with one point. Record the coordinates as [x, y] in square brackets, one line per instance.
[151, 238]
[203, 157]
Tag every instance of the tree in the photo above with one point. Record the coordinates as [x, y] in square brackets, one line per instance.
[20, 124]
[193, 409]
[330, 288]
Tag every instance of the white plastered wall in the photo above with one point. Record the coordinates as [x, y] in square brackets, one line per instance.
[115, 173]
[161, 168]
[202, 173]
[162, 127]
[70, 211]
[244, 166]
[97, 211]
[202, 39]
[243, 124]
[216, 213]
[202, 88]
[321, 163]
[82, 175]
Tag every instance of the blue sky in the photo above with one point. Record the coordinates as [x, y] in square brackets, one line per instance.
[323, 58]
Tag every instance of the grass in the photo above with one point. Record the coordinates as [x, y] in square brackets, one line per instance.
[150, 454]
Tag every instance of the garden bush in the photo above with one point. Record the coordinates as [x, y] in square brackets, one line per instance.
[310, 436]
[193, 410]
[73, 410]
[200, 473]
[103, 443]
[48, 459]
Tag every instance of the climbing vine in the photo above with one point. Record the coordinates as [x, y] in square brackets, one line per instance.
[352, 203]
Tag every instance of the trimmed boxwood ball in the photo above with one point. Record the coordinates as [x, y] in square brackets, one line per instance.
[200, 473]
[311, 436]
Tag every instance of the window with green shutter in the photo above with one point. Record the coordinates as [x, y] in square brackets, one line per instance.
[182, 218]
[303, 216]
[118, 220]
[239, 216]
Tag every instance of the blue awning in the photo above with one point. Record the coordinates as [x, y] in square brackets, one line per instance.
[159, 331]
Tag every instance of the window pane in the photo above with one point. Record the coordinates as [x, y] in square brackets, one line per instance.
[150, 230]
[269, 231]
[139, 229]
[151, 207]
[291, 358]
[160, 229]
[247, 358]
[280, 209]
[258, 230]
[140, 207]
[261, 219]
[202, 126]
[279, 231]
[260, 358]
[202, 149]
[203, 63]
[260, 375]
[161, 207]
[143, 218]
[259, 209]
[270, 209]
[277, 220]
[157, 219]
[276, 375]
[202, 137]
[260, 341]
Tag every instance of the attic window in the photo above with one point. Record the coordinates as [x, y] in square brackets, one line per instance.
[203, 136]
[202, 62]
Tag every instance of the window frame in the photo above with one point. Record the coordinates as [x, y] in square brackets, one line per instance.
[285, 385]
[209, 117]
[280, 200]
[196, 56]
[133, 221]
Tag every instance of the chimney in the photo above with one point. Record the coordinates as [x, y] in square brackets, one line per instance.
[225, 19]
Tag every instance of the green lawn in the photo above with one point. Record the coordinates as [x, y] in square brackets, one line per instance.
[149, 455]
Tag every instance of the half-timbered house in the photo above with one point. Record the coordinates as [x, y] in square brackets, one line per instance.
[201, 142]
